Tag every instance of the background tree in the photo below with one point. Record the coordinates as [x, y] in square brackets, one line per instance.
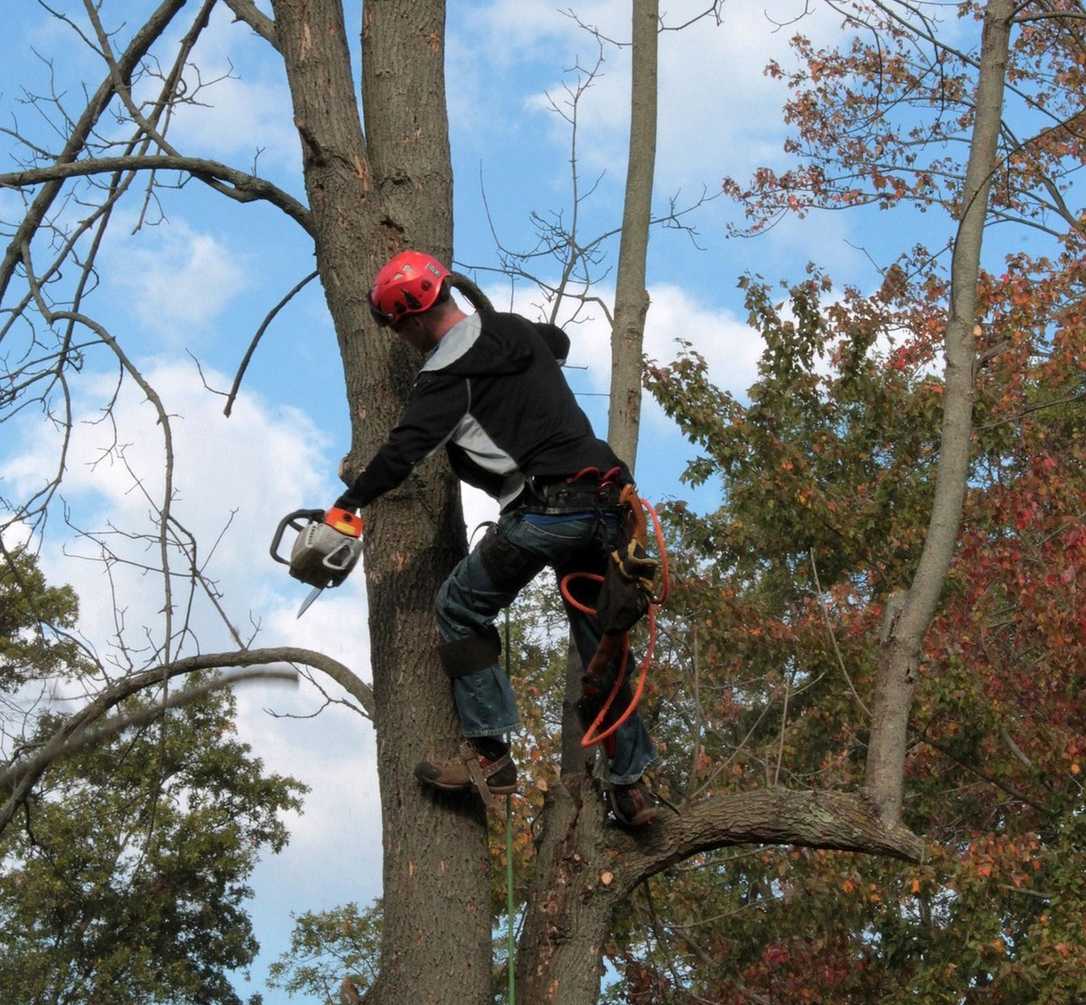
[327, 947]
[126, 878]
[827, 479]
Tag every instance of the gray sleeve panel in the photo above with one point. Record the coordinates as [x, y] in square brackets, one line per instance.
[434, 410]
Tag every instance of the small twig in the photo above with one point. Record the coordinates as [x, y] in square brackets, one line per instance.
[784, 726]
[833, 637]
[257, 337]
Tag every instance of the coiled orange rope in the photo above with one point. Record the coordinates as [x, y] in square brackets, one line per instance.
[593, 735]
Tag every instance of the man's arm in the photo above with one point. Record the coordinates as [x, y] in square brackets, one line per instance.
[435, 408]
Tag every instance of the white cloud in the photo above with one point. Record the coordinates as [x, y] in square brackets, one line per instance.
[176, 278]
[15, 535]
[723, 118]
[258, 465]
[478, 508]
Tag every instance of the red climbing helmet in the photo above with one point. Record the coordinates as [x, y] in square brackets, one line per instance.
[409, 283]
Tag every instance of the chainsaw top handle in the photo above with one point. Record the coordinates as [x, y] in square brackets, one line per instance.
[292, 520]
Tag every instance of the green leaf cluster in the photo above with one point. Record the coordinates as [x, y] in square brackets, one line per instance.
[123, 879]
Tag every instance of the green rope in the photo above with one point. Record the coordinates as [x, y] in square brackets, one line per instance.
[511, 950]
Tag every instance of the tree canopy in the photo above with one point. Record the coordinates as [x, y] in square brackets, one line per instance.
[124, 877]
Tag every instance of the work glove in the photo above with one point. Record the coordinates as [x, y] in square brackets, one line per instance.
[348, 503]
[347, 475]
[635, 565]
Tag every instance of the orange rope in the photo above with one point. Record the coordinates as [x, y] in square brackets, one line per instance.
[592, 736]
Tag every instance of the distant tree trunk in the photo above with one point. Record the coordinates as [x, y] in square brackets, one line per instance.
[631, 297]
[371, 196]
[565, 924]
[904, 630]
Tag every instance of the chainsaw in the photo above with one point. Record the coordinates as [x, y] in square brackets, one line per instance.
[327, 548]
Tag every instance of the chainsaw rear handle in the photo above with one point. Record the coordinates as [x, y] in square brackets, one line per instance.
[292, 520]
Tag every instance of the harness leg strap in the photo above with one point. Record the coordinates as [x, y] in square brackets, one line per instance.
[478, 774]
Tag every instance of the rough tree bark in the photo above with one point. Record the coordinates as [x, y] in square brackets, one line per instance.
[371, 196]
[909, 617]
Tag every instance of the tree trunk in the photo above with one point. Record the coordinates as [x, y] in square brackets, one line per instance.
[631, 297]
[904, 634]
[569, 905]
[371, 197]
[585, 866]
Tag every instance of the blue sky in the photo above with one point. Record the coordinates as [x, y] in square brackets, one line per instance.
[202, 280]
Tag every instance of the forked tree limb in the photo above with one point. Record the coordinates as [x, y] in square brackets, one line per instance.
[142, 41]
[19, 777]
[104, 731]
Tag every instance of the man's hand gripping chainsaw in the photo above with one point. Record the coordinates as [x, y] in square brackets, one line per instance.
[327, 548]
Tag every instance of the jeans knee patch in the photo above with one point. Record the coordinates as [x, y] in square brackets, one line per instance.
[466, 656]
[509, 567]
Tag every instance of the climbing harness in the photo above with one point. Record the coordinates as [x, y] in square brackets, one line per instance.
[626, 594]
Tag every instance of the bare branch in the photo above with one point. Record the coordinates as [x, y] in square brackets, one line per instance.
[151, 31]
[244, 187]
[230, 398]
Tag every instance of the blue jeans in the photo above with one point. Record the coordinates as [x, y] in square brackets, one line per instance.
[473, 596]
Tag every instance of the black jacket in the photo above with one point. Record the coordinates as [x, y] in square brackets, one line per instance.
[493, 394]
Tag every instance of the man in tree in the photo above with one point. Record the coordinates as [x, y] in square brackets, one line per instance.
[492, 392]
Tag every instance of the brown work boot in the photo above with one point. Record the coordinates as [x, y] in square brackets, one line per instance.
[492, 773]
[633, 805]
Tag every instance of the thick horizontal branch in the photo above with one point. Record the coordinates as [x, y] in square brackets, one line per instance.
[808, 819]
[246, 187]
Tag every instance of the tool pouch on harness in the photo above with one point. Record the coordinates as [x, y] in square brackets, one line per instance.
[627, 589]
[624, 598]
[629, 581]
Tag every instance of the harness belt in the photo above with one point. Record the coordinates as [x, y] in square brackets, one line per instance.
[557, 497]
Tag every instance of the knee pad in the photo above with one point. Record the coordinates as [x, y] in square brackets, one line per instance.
[470, 655]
